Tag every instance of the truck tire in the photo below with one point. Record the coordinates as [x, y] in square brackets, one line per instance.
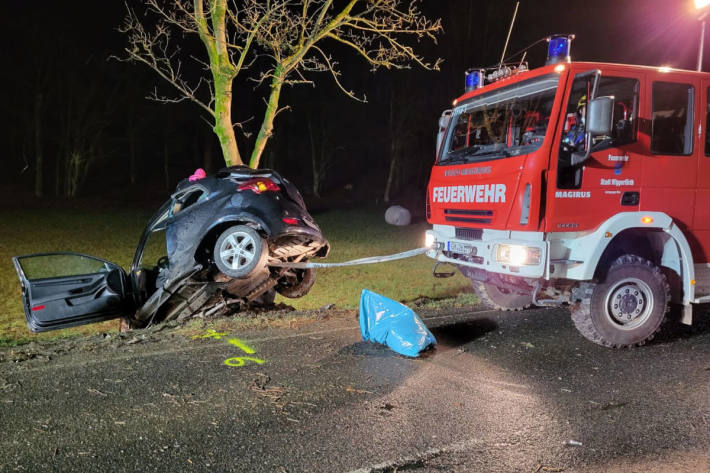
[627, 308]
[499, 298]
[240, 252]
[298, 285]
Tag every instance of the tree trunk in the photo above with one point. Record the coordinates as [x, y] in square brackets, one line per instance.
[267, 125]
[223, 126]
[270, 156]
[132, 156]
[166, 162]
[57, 174]
[389, 187]
[393, 153]
[223, 73]
[39, 158]
[314, 160]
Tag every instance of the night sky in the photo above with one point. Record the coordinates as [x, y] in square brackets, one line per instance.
[55, 59]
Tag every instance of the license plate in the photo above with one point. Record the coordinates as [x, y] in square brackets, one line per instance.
[462, 249]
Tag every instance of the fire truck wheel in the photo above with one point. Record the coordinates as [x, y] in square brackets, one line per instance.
[297, 283]
[500, 298]
[627, 308]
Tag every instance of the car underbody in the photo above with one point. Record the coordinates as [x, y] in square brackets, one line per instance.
[206, 292]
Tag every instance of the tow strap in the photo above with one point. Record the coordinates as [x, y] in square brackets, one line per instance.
[355, 262]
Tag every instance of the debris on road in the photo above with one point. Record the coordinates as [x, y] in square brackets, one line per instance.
[613, 405]
[573, 443]
[383, 320]
[548, 469]
[351, 389]
[135, 340]
[275, 394]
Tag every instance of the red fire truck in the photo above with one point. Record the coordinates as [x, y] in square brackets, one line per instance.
[578, 183]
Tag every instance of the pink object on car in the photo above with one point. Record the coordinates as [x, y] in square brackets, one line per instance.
[199, 174]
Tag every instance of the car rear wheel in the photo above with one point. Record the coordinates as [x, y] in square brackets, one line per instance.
[297, 283]
[240, 252]
[627, 308]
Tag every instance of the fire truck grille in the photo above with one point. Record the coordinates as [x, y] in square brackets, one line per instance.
[468, 216]
[469, 233]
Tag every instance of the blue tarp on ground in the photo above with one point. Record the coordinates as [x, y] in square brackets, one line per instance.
[383, 320]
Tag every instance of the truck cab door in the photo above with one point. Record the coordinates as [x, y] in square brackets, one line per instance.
[701, 217]
[670, 170]
[62, 290]
[608, 182]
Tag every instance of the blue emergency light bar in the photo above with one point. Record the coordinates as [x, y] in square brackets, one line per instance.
[558, 48]
[474, 79]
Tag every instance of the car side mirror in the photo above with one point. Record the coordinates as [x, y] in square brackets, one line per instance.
[600, 116]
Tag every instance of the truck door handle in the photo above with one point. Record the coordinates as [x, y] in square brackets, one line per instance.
[630, 198]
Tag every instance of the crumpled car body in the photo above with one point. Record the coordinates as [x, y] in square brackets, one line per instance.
[224, 235]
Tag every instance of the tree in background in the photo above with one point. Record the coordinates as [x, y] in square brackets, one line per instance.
[82, 124]
[282, 40]
[322, 138]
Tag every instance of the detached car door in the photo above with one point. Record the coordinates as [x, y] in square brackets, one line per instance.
[62, 290]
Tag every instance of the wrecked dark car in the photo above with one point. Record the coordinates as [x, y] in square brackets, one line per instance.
[223, 239]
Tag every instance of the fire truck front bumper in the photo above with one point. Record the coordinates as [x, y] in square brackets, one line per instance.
[522, 254]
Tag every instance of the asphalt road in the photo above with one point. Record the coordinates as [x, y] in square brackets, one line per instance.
[502, 392]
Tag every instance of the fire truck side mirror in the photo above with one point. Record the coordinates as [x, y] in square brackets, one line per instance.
[600, 116]
[599, 121]
[444, 121]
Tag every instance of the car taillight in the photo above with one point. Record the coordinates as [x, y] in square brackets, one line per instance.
[290, 221]
[259, 185]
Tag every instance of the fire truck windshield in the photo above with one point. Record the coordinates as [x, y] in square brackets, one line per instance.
[505, 122]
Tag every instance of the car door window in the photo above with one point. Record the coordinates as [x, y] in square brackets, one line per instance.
[156, 247]
[186, 199]
[60, 265]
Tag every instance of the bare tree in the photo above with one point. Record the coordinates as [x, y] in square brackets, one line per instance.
[323, 149]
[290, 34]
[83, 123]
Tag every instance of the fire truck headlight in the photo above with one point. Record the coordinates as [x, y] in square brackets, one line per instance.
[429, 239]
[517, 255]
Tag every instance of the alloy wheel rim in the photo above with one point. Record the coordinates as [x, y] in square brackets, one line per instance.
[238, 250]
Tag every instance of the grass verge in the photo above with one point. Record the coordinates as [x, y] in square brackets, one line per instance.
[113, 235]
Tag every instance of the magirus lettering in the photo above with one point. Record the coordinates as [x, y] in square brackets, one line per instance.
[573, 194]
